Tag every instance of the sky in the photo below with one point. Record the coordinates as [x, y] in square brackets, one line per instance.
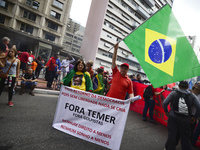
[187, 13]
[79, 11]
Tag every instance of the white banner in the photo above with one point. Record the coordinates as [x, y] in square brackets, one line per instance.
[91, 117]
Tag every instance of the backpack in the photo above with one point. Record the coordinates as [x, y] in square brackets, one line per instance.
[182, 105]
[148, 92]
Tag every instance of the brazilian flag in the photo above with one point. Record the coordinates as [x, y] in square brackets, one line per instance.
[162, 49]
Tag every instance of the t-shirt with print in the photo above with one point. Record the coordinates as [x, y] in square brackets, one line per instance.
[29, 77]
[120, 85]
[78, 81]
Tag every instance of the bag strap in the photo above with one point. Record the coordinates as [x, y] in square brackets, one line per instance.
[10, 66]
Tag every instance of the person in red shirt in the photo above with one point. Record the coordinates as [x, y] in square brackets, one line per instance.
[121, 83]
[24, 59]
[54, 65]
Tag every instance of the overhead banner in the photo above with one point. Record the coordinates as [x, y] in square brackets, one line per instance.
[91, 117]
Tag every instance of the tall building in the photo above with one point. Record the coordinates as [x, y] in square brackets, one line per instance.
[73, 39]
[37, 25]
[119, 18]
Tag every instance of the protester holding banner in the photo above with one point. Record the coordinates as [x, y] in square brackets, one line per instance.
[78, 77]
[121, 83]
[179, 116]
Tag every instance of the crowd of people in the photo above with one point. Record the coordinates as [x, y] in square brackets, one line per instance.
[116, 85]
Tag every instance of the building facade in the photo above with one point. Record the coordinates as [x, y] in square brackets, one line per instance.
[36, 25]
[72, 40]
[120, 19]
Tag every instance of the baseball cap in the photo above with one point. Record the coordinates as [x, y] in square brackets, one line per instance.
[90, 62]
[125, 64]
[101, 67]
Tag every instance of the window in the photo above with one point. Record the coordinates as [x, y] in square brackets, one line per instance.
[3, 4]
[50, 37]
[109, 36]
[67, 34]
[33, 4]
[55, 15]
[29, 15]
[58, 4]
[2, 19]
[26, 28]
[53, 26]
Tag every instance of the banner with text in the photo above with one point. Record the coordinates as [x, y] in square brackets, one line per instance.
[92, 117]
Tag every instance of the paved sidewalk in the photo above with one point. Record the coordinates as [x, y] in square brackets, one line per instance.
[41, 88]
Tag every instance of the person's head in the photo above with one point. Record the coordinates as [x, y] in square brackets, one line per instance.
[29, 71]
[124, 69]
[89, 64]
[67, 57]
[6, 40]
[30, 53]
[164, 87]
[39, 57]
[100, 70]
[196, 88]
[133, 76]
[183, 85]
[80, 66]
[2, 47]
[12, 52]
[56, 56]
[138, 77]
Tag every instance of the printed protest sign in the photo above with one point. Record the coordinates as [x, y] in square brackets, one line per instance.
[91, 117]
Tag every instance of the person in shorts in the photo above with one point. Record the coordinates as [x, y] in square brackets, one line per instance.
[28, 81]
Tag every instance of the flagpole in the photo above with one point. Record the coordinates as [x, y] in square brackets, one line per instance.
[139, 26]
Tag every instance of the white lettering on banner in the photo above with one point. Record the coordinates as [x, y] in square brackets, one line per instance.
[92, 117]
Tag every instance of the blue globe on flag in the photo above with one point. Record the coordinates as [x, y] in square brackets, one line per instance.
[160, 51]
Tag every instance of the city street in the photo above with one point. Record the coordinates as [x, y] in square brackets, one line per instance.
[28, 126]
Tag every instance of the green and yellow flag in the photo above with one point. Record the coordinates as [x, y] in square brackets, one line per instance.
[162, 49]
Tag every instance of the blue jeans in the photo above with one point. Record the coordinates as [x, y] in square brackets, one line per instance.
[149, 104]
[196, 134]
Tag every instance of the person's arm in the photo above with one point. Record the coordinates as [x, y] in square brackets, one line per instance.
[168, 100]
[48, 63]
[2, 63]
[18, 68]
[114, 58]
[158, 93]
[71, 61]
[62, 63]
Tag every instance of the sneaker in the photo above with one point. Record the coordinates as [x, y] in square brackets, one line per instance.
[21, 93]
[10, 104]
[153, 121]
[31, 93]
[144, 119]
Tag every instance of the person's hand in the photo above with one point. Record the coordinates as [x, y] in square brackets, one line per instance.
[193, 119]
[116, 46]
[61, 83]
